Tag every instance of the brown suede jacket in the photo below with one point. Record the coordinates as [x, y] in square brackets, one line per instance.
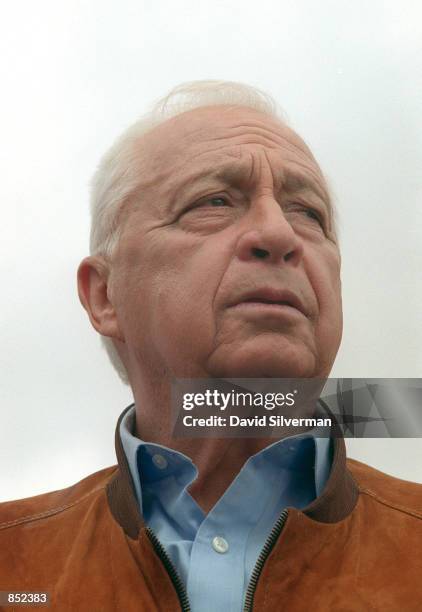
[356, 548]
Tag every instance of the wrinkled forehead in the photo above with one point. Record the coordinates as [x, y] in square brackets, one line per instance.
[212, 129]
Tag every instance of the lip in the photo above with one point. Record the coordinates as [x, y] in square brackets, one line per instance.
[270, 297]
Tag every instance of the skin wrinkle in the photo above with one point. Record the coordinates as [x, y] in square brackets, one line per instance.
[268, 141]
[229, 339]
[260, 142]
[176, 270]
[262, 130]
[221, 280]
[252, 168]
[270, 167]
[292, 183]
[315, 185]
[316, 182]
[271, 141]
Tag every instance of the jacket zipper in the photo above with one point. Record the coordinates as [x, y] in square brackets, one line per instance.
[250, 593]
[268, 546]
[171, 570]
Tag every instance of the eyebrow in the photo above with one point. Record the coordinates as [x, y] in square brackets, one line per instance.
[291, 181]
[295, 182]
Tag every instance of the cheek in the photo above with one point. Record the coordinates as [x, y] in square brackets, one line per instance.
[181, 326]
[172, 288]
[324, 276]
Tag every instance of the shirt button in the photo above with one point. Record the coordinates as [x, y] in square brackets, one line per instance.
[220, 545]
[159, 461]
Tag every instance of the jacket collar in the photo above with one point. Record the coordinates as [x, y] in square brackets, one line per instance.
[335, 502]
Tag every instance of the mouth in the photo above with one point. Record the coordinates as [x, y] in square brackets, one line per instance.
[270, 299]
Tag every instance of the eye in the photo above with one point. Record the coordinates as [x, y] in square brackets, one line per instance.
[312, 214]
[208, 202]
[214, 201]
[309, 212]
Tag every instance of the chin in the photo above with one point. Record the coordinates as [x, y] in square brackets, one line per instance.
[292, 363]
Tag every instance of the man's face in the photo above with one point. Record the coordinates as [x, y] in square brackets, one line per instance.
[227, 264]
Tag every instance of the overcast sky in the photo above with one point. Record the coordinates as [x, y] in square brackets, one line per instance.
[74, 74]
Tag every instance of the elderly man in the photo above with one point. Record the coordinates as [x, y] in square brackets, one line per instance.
[214, 255]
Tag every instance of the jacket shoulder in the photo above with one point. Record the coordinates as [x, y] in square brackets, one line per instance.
[402, 495]
[28, 509]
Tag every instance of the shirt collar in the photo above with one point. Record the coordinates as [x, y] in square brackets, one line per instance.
[149, 462]
[335, 503]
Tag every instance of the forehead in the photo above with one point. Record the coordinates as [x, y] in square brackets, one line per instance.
[217, 129]
[224, 142]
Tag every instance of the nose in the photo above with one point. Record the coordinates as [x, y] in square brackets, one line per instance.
[269, 236]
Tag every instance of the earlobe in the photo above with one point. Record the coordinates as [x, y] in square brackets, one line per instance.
[93, 276]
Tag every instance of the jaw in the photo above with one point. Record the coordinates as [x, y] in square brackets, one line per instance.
[266, 355]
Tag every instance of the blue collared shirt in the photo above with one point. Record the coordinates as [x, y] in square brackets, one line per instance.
[215, 553]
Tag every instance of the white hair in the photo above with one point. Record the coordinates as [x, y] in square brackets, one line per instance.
[117, 176]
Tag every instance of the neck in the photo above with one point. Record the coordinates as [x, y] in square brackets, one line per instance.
[218, 460]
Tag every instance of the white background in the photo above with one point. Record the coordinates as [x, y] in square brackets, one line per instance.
[74, 74]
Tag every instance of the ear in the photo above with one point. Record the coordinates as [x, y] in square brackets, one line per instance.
[93, 275]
